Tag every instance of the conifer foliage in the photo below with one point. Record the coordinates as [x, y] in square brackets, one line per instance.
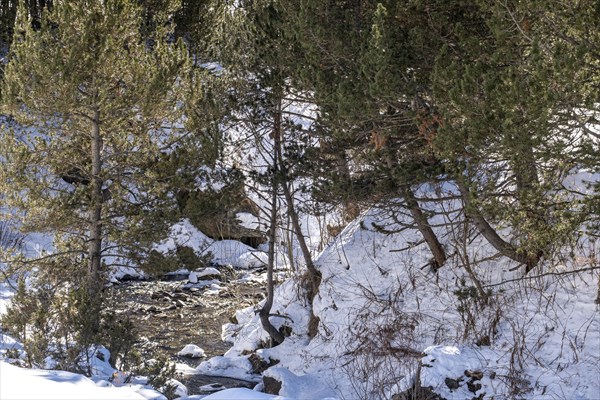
[94, 106]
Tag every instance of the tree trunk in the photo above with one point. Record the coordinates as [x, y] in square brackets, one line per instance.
[490, 234]
[527, 180]
[314, 275]
[265, 311]
[94, 282]
[436, 248]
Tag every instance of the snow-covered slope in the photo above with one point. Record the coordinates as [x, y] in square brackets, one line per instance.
[387, 318]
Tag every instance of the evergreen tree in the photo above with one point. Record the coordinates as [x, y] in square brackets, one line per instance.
[509, 90]
[97, 105]
[369, 65]
[255, 46]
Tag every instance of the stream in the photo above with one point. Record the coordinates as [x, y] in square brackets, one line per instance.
[170, 314]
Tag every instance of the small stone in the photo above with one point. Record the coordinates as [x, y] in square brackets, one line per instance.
[452, 383]
[474, 375]
[213, 387]
[473, 387]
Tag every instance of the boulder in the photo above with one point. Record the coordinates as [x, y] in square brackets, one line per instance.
[271, 385]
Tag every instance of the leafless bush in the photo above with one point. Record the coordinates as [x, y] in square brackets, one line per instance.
[379, 345]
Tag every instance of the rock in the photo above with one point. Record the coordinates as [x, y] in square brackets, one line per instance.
[452, 383]
[213, 387]
[152, 309]
[421, 393]
[161, 294]
[271, 385]
[285, 330]
[193, 278]
[473, 387]
[171, 307]
[230, 220]
[179, 303]
[259, 365]
[208, 274]
[191, 350]
[474, 375]
[180, 296]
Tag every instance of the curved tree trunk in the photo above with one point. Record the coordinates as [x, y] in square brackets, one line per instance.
[265, 311]
[313, 274]
[489, 233]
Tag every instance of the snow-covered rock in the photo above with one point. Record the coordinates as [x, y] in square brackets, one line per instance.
[235, 367]
[191, 350]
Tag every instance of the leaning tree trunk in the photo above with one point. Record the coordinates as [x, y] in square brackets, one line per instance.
[436, 248]
[489, 233]
[313, 274]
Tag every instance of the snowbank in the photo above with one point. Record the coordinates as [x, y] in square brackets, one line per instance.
[381, 310]
[30, 384]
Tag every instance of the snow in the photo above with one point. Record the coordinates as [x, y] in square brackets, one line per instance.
[207, 272]
[117, 273]
[305, 387]
[184, 233]
[223, 252]
[545, 343]
[248, 220]
[544, 333]
[30, 384]
[234, 367]
[236, 254]
[191, 350]
[195, 275]
[6, 293]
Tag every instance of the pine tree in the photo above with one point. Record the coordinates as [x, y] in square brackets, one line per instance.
[509, 91]
[368, 65]
[97, 105]
[255, 46]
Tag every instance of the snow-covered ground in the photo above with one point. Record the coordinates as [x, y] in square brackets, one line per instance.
[386, 320]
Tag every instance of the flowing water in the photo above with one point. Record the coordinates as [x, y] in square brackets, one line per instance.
[171, 314]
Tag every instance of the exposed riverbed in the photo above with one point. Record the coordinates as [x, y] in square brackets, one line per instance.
[170, 314]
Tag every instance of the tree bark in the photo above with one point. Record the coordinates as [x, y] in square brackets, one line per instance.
[436, 248]
[314, 275]
[265, 311]
[490, 234]
[95, 218]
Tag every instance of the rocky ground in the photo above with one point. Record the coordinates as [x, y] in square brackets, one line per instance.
[183, 309]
